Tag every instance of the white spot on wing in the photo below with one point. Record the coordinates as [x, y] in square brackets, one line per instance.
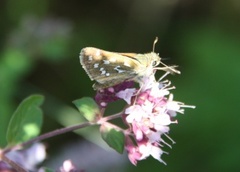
[96, 65]
[103, 72]
[119, 70]
[101, 69]
[90, 58]
[126, 64]
[107, 74]
[106, 62]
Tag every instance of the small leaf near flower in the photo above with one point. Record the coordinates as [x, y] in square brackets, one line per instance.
[26, 120]
[87, 107]
[113, 137]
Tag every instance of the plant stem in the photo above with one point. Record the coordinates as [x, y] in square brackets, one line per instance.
[61, 131]
[13, 164]
[48, 135]
[111, 117]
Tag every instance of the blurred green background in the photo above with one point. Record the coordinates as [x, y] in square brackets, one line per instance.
[40, 44]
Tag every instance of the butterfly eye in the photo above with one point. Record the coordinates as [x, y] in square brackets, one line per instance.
[154, 63]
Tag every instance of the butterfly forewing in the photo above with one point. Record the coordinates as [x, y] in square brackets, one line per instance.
[108, 68]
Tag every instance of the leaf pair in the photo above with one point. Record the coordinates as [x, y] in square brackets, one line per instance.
[90, 110]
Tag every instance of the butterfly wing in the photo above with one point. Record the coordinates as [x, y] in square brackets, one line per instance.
[108, 68]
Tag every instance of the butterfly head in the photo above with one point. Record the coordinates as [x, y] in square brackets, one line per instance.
[155, 59]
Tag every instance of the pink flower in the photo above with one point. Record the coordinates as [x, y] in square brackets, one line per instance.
[150, 113]
[133, 151]
[150, 149]
[108, 95]
[126, 94]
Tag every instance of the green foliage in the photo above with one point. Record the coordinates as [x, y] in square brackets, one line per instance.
[87, 107]
[26, 8]
[26, 120]
[113, 137]
[32, 39]
[14, 64]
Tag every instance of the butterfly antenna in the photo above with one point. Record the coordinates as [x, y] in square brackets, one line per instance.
[154, 43]
[170, 68]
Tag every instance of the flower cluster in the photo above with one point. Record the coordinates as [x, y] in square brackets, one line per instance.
[150, 111]
[149, 116]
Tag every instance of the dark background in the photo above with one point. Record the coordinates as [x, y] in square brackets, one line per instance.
[39, 48]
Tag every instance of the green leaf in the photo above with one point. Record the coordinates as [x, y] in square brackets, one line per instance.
[87, 107]
[113, 137]
[26, 120]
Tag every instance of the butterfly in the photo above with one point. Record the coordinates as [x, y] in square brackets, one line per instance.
[112, 68]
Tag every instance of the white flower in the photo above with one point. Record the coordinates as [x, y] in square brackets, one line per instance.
[126, 94]
[136, 112]
[149, 149]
